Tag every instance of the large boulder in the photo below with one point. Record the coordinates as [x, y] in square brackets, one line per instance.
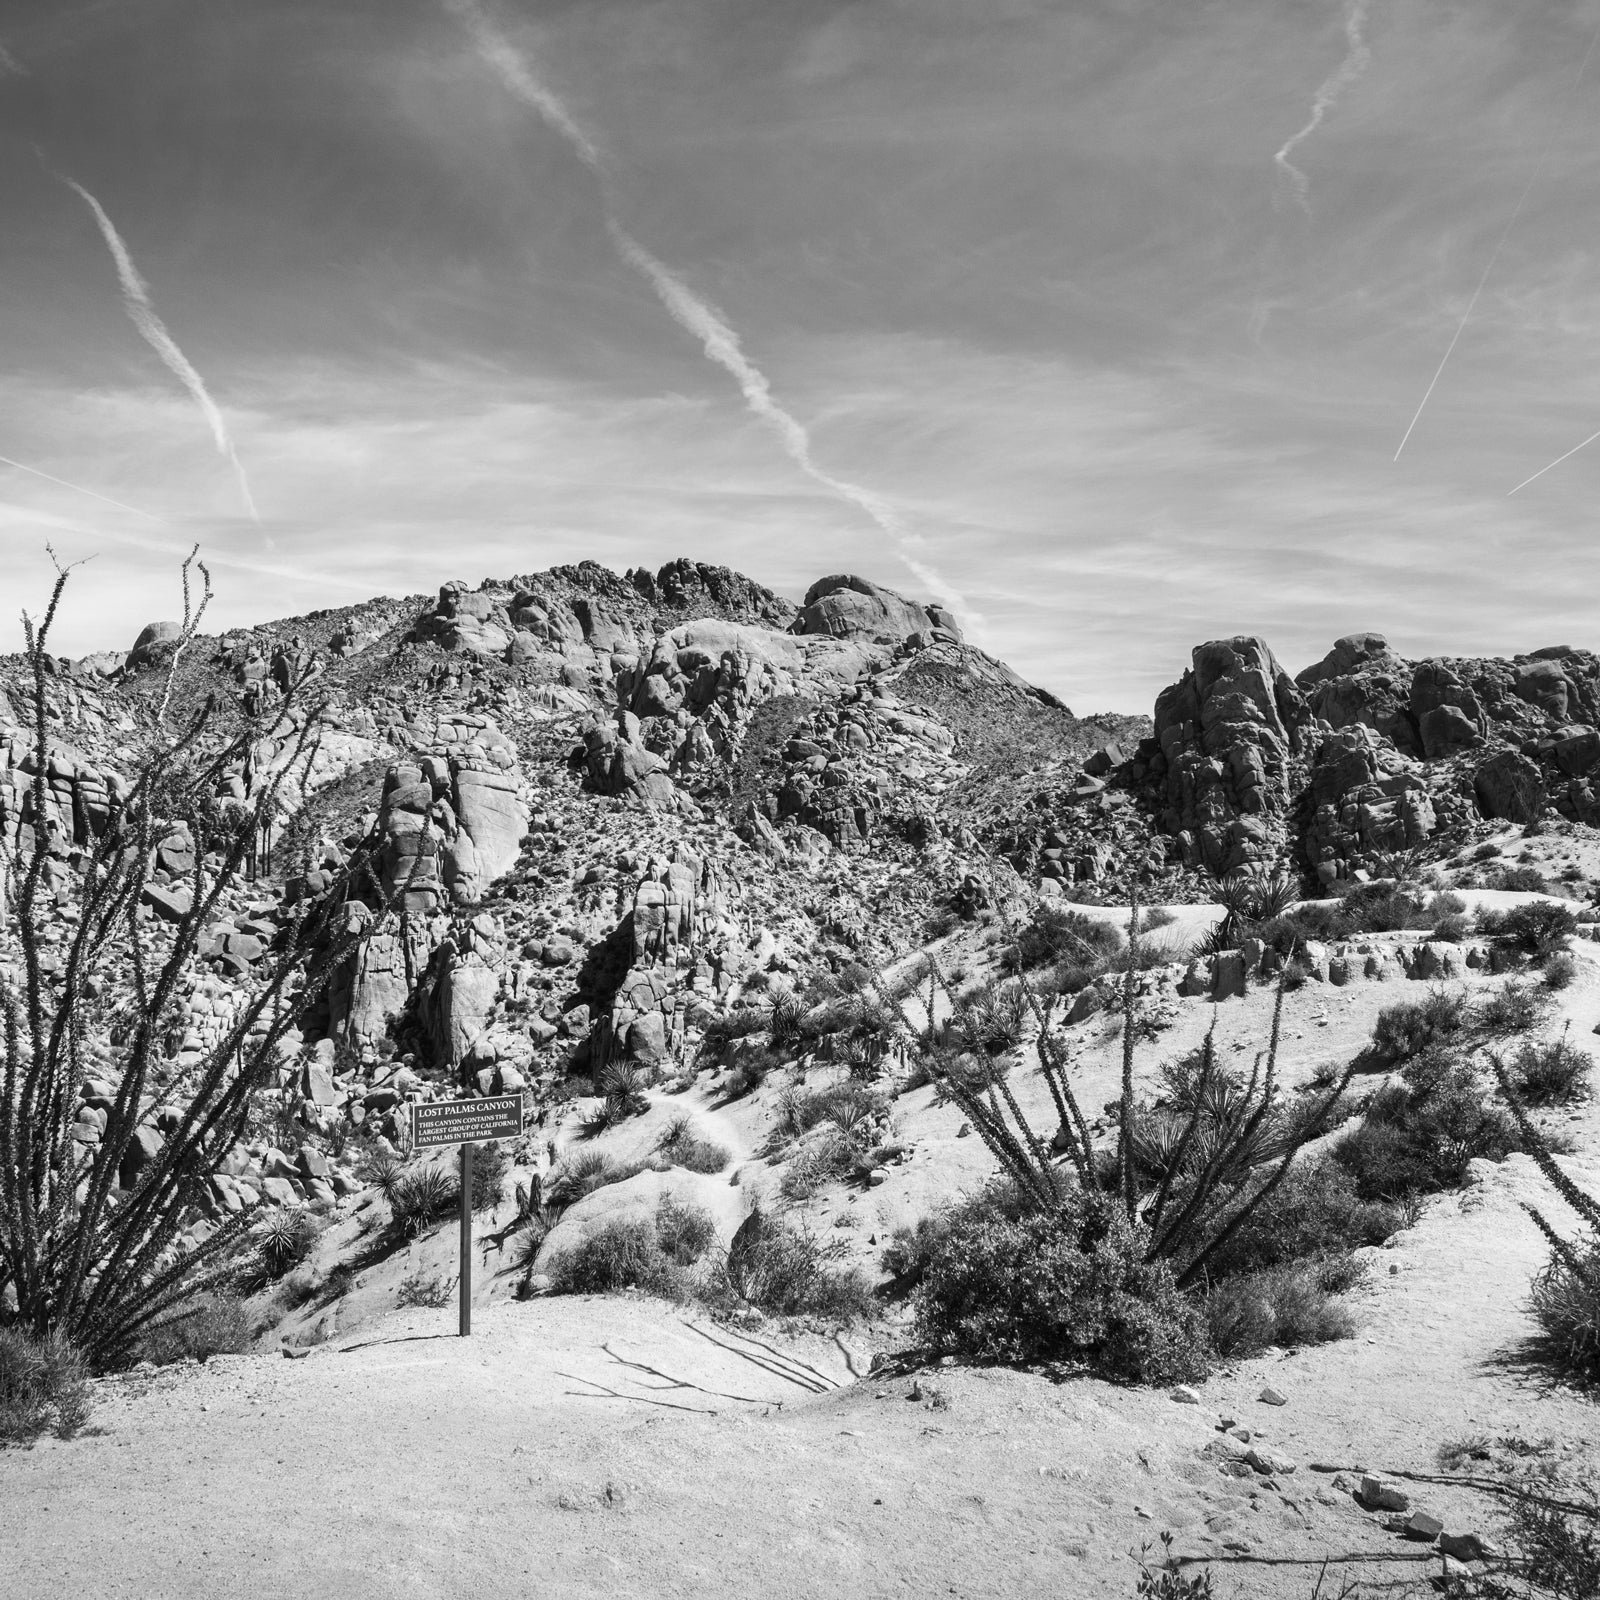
[1510, 787]
[846, 606]
[152, 638]
[1447, 714]
[1230, 731]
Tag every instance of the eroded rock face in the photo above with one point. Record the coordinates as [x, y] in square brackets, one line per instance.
[1230, 732]
[1367, 800]
[849, 607]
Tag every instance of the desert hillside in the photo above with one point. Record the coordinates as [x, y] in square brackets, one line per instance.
[795, 928]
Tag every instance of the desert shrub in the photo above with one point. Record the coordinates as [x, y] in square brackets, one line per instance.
[1513, 1008]
[991, 1021]
[1168, 1581]
[626, 1082]
[1386, 908]
[1486, 852]
[1069, 1285]
[1556, 1073]
[284, 1240]
[1452, 928]
[1447, 904]
[787, 1271]
[822, 1158]
[427, 1290]
[421, 1196]
[1289, 1306]
[583, 1172]
[1522, 880]
[214, 1324]
[1056, 932]
[1405, 1030]
[685, 1148]
[1313, 920]
[621, 1254]
[1565, 1301]
[1419, 1134]
[1157, 917]
[684, 1232]
[1560, 970]
[1538, 929]
[1315, 1213]
[801, 1110]
[44, 1384]
[488, 1175]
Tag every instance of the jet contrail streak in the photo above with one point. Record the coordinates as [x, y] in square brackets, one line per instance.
[1556, 463]
[239, 564]
[693, 314]
[136, 299]
[1357, 57]
[1494, 255]
[78, 488]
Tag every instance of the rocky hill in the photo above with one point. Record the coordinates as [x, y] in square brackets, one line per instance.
[614, 808]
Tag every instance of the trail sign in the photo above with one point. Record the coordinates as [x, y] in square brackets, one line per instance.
[464, 1122]
[436, 1122]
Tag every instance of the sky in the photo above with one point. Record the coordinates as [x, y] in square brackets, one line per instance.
[1099, 320]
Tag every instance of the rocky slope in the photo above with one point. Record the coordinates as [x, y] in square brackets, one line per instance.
[618, 806]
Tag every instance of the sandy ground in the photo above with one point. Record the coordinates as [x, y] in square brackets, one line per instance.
[532, 1459]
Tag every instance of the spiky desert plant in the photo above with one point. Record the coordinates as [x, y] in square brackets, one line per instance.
[81, 1254]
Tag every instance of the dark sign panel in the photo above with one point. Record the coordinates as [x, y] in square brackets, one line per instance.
[465, 1121]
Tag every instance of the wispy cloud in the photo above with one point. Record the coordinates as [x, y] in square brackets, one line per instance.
[1356, 60]
[142, 311]
[697, 315]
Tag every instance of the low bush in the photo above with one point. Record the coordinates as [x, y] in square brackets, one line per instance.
[1405, 1030]
[1556, 1073]
[1315, 1214]
[1513, 1008]
[44, 1385]
[1418, 1135]
[1538, 929]
[1287, 1306]
[1565, 1302]
[684, 1232]
[1452, 929]
[653, 1256]
[787, 1271]
[214, 1324]
[582, 1173]
[825, 1156]
[427, 1290]
[1522, 880]
[1387, 907]
[685, 1148]
[622, 1254]
[1069, 1285]
[1560, 970]
[1157, 917]
[1056, 934]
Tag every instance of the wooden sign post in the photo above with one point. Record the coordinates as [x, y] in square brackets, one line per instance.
[465, 1122]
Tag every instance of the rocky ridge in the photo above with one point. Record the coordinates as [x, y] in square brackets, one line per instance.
[619, 806]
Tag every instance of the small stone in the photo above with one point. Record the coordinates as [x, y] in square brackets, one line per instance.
[1376, 1495]
[1423, 1527]
[1185, 1396]
[1467, 1546]
[1270, 1397]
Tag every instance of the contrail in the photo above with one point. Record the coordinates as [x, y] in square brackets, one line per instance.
[1494, 255]
[136, 298]
[1357, 57]
[78, 488]
[693, 314]
[1556, 463]
[164, 547]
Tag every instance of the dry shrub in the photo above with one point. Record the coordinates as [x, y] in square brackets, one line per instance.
[44, 1384]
